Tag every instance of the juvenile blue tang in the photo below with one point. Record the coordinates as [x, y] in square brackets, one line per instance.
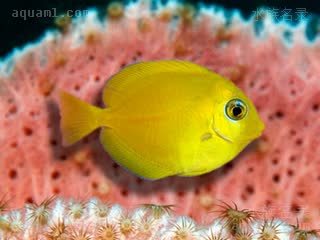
[165, 118]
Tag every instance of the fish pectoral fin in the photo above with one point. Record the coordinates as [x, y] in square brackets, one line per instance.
[206, 136]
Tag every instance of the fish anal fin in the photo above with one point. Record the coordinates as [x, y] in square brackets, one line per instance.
[125, 156]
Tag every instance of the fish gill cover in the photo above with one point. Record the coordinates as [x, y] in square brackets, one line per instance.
[270, 191]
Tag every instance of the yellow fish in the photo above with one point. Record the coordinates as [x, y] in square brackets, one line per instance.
[165, 118]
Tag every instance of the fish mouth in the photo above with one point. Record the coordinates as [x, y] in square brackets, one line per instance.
[260, 127]
[249, 137]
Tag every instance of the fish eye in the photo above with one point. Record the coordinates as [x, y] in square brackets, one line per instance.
[236, 109]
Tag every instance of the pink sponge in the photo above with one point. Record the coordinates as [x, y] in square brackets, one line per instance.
[278, 174]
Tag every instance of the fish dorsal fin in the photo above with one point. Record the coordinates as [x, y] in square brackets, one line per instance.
[133, 75]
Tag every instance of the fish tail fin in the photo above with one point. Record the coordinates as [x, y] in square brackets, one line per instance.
[78, 118]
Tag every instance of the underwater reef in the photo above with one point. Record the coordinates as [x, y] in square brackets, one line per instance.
[270, 191]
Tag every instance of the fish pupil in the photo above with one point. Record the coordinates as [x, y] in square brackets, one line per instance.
[236, 111]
